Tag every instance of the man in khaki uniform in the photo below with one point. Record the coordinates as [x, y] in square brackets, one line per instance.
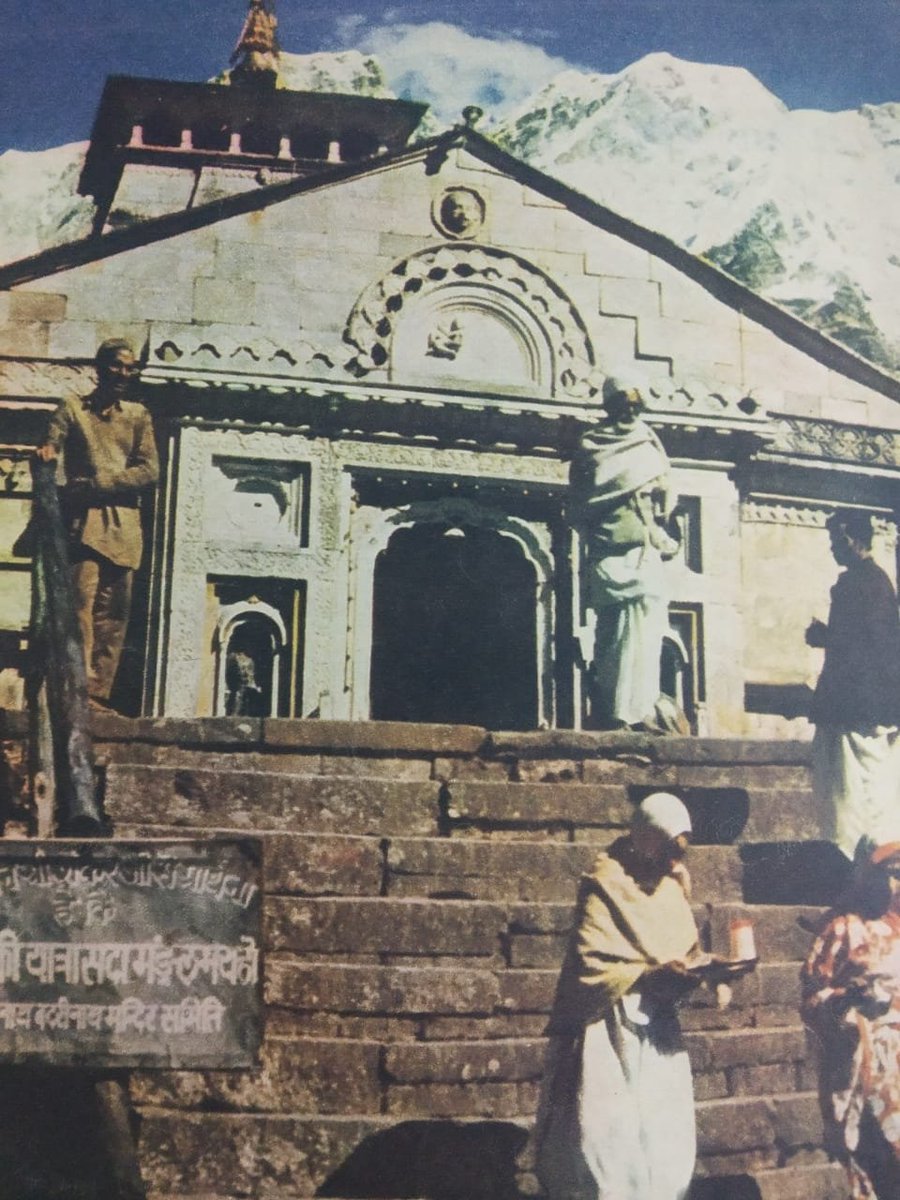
[109, 455]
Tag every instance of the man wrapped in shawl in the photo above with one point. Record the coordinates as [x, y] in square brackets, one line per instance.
[851, 1002]
[619, 499]
[616, 1120]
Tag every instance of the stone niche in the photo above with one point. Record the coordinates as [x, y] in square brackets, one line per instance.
[256, 502]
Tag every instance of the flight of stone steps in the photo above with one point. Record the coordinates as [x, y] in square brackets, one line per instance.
[420, 882]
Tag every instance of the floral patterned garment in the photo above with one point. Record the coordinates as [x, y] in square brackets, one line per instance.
[851, 1001]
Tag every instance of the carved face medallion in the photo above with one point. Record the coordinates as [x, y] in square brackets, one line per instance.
[458, 212]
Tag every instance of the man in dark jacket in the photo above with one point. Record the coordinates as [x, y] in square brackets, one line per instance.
[856, 707]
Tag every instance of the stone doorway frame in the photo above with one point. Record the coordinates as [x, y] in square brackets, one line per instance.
[371, 529]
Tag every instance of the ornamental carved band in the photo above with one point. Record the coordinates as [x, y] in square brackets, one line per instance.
[371, 324]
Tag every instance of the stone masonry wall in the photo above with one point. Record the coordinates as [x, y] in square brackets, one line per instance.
[420, 882]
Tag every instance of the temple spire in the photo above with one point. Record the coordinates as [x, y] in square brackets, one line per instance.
[255, 57]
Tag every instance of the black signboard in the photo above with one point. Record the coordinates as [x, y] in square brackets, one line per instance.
[143, 953]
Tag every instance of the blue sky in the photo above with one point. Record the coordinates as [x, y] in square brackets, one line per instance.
[828, 54]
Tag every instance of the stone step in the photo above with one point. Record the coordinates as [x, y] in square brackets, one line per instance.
[250, 801]
[721, 813]
[295, 1155]
[221, 1154]
[528, 935]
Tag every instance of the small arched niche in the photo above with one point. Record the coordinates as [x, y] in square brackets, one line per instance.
[250, 640]
[471, 337]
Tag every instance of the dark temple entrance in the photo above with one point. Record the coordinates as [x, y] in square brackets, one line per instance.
[454, 629]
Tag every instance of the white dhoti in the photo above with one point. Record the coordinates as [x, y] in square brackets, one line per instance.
[856, 776]
[617, 1112]
[627, 591]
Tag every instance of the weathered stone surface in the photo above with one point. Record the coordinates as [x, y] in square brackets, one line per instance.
[460, 1062]
[348, 989]
[735, 752]
[539, 803]
[409, 770]
[178, 731]
[471, 768]
[545, 950]
[720, 1050]
[312, 1075]
[486, 870]
[499, 1101]
[527, 991]
[729, 1126]
[716, 873]
[548, 770]
[188, 1151]
[824, 1181]
[317, 865]
[356, 737]
[782, 815]
[384, 926]
[249, 800]
[798, 1120]
[766, 1080]
[509, 1025]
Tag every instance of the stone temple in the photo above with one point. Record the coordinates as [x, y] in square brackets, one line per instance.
[368, 356]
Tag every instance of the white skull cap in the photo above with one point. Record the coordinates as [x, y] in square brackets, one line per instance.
[665, 812]
[625, 380]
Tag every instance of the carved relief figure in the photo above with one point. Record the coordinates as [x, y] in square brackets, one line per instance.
[445, 340]
[620, 505]
[460, 213]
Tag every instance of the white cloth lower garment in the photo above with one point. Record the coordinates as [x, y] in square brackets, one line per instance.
[616, 1120]
[856, 776]
[629, 595]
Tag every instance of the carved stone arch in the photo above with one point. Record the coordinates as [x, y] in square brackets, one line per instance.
[505, 281]
[267, 626]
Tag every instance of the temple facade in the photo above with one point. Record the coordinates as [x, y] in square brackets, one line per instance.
[368, 359]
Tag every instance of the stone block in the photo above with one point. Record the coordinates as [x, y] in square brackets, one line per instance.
[629, 297]
[203, 1152]
[824, 1181]
[546, 951]
[384, 926]
[547, 771]
[374, 990]
[529, 991]
[470, 768]
[36, 306]
[25, 338]
[539, 803]
[782, 815]
[767, 1080]
[462, 1062]
[296, 1075]
[298, 1154]
[221, 300]
[798, 1120]
[716, 873]
[607, 254]
[250, 800]
[734, 1125]
[751, 1047]
[207, 732]
[312, 865]
[509, 1025]
[486, 870]
[407, 770]
[497, 1101]
[379, 737]
[710, 1085]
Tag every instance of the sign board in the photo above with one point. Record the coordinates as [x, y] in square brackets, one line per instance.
[131, 953]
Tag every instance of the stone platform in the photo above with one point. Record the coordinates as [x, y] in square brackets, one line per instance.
[420, 882]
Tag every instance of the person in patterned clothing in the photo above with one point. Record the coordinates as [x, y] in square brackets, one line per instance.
[851, 1002]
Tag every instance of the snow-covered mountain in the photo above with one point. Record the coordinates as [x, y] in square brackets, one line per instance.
[802, 206]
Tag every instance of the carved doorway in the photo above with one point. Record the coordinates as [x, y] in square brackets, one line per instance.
[454, 635]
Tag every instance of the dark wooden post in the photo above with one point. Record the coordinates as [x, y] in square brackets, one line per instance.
[58, 661]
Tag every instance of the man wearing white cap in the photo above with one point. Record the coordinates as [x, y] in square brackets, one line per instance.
[616, 1120]
[619, 497]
